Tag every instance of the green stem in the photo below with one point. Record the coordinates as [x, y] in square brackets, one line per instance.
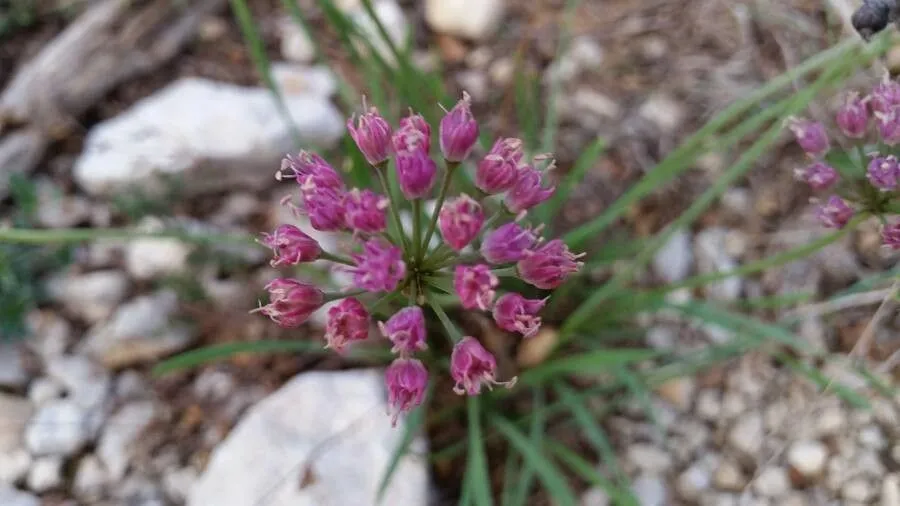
[332, 296]
[505, 272]
[417, 248]
[336, 258]
[56, 235]
[445, 185]
[452, 331]
[382, 178]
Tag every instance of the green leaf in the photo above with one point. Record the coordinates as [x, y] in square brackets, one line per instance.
[411, 427]
[477, 473]
[824, 382]
[621, 496]
[639, 390]
[526, 477]
[591, 363]
[585, 162]
[553, 479]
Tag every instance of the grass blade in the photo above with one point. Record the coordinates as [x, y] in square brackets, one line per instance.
[536, 433]
[590, 363]
[476, 466]
[412, 425]
[587, 160]
[620, 496]
[553, 479]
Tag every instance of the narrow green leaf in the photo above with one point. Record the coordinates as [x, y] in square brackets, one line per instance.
[585, 162]
[477, 473]
[824, 382]
[553, 479]
[526, 477]
[509, 472]
[551, 113]
[621, 496]
[591, 363]
[411, 427]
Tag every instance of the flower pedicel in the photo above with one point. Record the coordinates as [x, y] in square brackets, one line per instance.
[389, 259]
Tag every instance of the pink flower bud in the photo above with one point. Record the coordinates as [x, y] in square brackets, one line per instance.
[372, 134]
[818, 176]
[348, 322]
[311, 170]
[811, 136]
[379, 268]
[888, 126]
[475, 286]
[291, 302]
[853, 116]
[835, 213]
[885, 96]
[499, 169]
[549, 265]
[507, 243]
[458, 131]
[406, 380]
[291, 246]
[883, 172]
[515, 313]
[365, 211]
[414, 134]
[416, 173]
[527, 191]
[324, 207]
[406, 329]
[472, 366]
[460, 221]
[890, 234]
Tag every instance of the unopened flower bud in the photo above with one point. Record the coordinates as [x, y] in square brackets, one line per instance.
[460, 221]
[475, 286]
[472, 366]
[458, 131]
[372, 135]
[291, 246]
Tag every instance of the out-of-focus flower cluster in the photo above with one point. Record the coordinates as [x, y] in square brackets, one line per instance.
[861, 167]
[475, 250]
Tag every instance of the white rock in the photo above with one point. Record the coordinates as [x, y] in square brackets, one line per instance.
[674, 260]
[772, 482]
[587, 100]
[858, 490]
[90, 478]
[391, 17]
[92, 296]
[45, 474]
[139, 331]
[130, 385]
[502, 71]
[150, 258]
[59, 428]
[42, 390]
[14, 465]
[120, 433]
[728, 476]
[15, 416]
[709, 404]
[12, 367]
[649, 458]
[872, 437]
[807, 458]
[57, 210]
[693, 481]
[584, 53]
[293, 79]
[661, 338]
[296, 44]
[679, 392]
[746, 436]
[213, 385]
[475, 82]
[832, 420]
[50, 333]
[87, 383]
[712, 258]
[9, 496]
[471, 19]
[650, 490]
[178, 482]
[595, 496]
[261, 455]
[890, 490]
[213, 134]
[663, 111]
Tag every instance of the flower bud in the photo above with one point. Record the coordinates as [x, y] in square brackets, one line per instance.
[291, 246]
[414, 134]
[888, 126]
[460, 221]
[883, 172]
[458, 131]
[499, 169]
[406, 329]
[379, 267]
[890, 235]
[835, 213]
[323, 206]
[365, 211]
[416, 173]
[527, 191]
[291, 302]
[515, 313]
[853, 116]
[472, 366]
[406, 380]
[475, 286]
[819, 176]
[348, 322]
[310, 170]
[507, 243]
[372, 135]
[885, 96]
[811, 136]
[548, 266]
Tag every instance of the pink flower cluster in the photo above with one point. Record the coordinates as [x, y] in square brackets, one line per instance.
[475, 251]
[870, 175]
